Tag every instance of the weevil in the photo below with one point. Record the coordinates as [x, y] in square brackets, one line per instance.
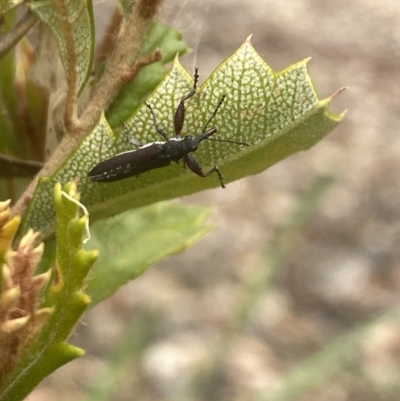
[155, 155]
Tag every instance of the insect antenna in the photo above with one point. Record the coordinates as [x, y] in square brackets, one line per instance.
[229, 141]
[209, 120]
[215, 112]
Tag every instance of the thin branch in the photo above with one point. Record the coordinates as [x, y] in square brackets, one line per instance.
[71, 103]
[13, 167]
[109, 39]
[130, 37]
[131, 74]
[8, 41]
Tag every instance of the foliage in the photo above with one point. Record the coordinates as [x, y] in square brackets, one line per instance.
[67, 110]
[34, 330]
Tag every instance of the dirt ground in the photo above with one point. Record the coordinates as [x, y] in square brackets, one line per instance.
[322, 324]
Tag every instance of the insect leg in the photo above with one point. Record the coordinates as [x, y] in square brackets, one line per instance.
[194, 165]
[156, 126]
[128, 134]
[179, 117]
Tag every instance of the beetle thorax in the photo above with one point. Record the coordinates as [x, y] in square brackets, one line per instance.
[189, 144]
[175, 149]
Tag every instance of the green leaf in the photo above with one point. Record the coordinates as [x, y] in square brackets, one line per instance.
[71, 22]
[138, 239]
[278, 114]
[65, 295]
[159, 36]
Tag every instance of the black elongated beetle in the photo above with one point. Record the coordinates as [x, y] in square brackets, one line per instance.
[160, 154]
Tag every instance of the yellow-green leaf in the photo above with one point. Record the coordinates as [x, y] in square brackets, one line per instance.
[65, 298]
[137, 239]
[278, 114]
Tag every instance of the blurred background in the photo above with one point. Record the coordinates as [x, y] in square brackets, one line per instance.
[295, 294]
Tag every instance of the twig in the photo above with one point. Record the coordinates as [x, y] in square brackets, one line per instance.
[130, 37]
[8, 41]
[13, 167]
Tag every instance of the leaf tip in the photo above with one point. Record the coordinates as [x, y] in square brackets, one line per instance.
[176, 59]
